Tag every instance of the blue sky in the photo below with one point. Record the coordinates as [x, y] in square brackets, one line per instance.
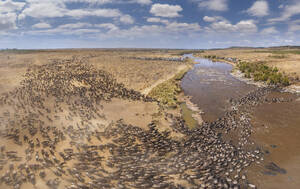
[148, 23]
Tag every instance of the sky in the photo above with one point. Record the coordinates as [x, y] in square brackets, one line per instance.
[183, 24]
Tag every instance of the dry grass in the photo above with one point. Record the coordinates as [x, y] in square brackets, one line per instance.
[135, 74]
[141, 75]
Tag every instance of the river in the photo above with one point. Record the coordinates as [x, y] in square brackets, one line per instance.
[210, 86]
[275, 126]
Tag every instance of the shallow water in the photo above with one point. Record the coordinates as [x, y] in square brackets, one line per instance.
[277, 130]
[276, 126]
[211, 85]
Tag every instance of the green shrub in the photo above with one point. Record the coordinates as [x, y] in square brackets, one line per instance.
[248, 75]
[167, 91]
[285, 81]
[262, 72]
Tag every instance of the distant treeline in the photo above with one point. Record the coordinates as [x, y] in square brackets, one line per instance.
[22, 51]
[181, 53]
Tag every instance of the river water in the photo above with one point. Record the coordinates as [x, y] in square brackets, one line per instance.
[210, 86]
[276, 126]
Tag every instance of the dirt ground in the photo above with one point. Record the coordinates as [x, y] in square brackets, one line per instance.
[70, 119]
[137, 74]
[140, 70]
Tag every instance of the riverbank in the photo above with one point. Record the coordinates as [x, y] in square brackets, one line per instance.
[286, 59]
[169, 94]
[292, 88]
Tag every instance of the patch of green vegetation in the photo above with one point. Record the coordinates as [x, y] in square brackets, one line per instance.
[167, 92]
[262, 72]
[189, 61]
[210, 56]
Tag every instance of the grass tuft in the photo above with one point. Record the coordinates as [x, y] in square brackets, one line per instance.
[167, 92]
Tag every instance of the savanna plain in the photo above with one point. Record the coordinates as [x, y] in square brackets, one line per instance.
[121, 118]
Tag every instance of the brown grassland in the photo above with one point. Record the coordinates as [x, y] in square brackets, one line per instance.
[113, 118]
[140, 70]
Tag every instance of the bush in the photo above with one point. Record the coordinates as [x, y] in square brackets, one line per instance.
[285, 81]
[262, 72]
[167, 91]
[248, 75]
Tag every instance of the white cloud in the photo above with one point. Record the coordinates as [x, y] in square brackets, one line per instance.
[10, 6]
[166, 10]
[89, 1]
[126, 19]
[270, 30]
[99, 2]
[223, 26]
[153, 30]
[288, 12]
[143, 2]
[294, 26]
[43, 9]
[133, 32]
[81, 31]
[209, 19]
[8, 16]
[79, 13]
[281, 6]
[244, 26]
[65, 31]
[157, 20]
[75, 25]
[259, 9]
[215, 5]
[55, 9]
[176, 27]
[8, 21]
[213, 18]
[41, 25]
[108, 26]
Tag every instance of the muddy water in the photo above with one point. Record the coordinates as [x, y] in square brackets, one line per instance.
[276, 126]
[277, 131]
[211, 85]
[187, 116]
